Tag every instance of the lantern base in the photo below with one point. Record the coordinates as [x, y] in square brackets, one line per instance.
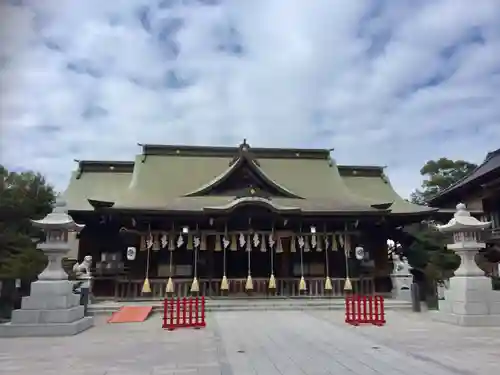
[52, 309]
[470, 301]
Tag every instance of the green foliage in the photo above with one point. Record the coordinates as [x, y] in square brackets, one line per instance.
[23, 196]
[439, 175]
[428, 253]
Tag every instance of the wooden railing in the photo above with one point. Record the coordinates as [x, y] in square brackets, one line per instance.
[131, 289]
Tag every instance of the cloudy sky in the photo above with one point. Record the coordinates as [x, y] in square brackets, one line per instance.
[383, 82]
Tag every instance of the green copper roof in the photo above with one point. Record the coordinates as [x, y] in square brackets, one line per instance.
[163, 177]
[164, 181]
[105, 186]
[374, 185]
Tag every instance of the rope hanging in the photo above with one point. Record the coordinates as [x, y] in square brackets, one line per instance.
[328, 280]
[224, 285]
[195, 287]
[249, 283]
[348, 284]
[146, 287]
[302, 283]
[272, 280]
[170, 284]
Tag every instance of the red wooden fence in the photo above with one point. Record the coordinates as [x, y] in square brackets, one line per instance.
[184, 313]
[364, 310]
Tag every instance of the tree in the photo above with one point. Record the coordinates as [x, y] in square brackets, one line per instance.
[428, 254]
[439, 175]
[23, 196]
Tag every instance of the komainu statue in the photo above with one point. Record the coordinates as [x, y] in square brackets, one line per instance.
[82, 270]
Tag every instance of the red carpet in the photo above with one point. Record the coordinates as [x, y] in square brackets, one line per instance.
[129, 314]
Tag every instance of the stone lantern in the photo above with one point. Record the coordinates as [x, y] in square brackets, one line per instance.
[52, 309]
[470, 299]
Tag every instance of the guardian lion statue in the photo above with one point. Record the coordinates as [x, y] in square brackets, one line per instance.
[82, 270]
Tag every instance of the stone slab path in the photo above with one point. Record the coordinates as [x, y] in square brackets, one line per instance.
[293, 343]
[237, 343]
[435, 342]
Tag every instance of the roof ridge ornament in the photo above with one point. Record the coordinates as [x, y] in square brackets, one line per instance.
[244, 153]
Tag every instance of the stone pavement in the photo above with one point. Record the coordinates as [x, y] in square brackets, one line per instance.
[237, 343]
[295, 342]
[435, 342]
[114, 349]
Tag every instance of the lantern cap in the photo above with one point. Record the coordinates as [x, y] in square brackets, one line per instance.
[58, 218]
[462, 221]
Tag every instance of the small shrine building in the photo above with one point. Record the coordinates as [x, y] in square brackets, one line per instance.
[235, 220]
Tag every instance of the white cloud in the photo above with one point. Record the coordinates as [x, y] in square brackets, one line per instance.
[384, 82]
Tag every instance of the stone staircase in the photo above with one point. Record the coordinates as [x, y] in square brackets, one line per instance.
[248, 304]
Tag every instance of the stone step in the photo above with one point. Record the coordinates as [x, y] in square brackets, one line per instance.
[247, 305]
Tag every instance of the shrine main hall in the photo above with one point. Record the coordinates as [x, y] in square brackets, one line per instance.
[235, 221]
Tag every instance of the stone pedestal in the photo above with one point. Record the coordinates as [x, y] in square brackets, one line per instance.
[470, 301]
[401, 287]
[50, 310]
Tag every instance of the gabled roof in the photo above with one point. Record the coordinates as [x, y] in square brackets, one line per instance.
[174, 178]
[244, 158]
[479, 176]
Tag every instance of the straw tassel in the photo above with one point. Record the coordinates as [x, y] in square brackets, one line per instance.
[328, 283]
[195, 287]
[224, 284]
[170, 286]
[302, 284]
[146, 287]
[272, 282]
[347, 284]
[249, 283]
